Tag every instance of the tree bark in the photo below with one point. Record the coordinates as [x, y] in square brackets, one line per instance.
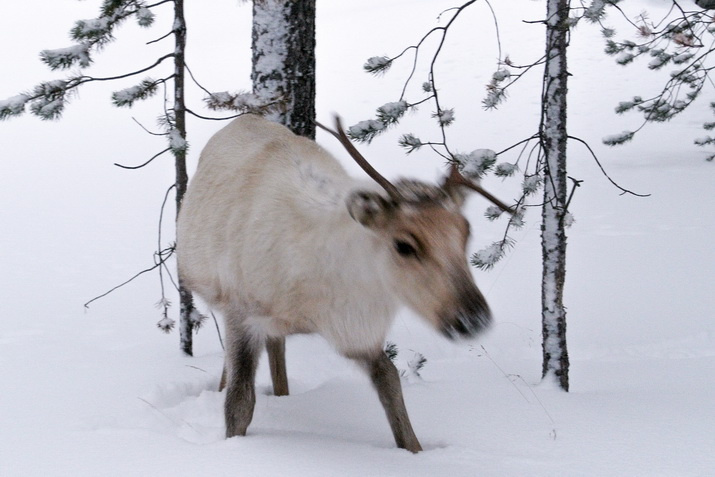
[284, 61]
[553, 237]
[186, 305]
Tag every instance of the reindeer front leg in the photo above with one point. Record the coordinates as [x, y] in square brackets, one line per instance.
[386, 380]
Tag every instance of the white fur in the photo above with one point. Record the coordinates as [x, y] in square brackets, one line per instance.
[264, 236]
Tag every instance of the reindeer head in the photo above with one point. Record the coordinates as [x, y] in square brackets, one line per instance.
[425, 233]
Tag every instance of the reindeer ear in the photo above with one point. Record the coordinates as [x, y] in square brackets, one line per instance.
[368, 208]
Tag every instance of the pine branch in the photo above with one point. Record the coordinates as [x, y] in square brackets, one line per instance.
[47, 100]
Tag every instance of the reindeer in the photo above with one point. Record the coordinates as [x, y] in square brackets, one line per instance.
[275, 235]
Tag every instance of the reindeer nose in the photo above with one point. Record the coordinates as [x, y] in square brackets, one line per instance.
[470, 318]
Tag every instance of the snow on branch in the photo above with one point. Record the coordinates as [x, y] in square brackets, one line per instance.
[365, 131]
[531, 184]
[486, 258]
[391, 113]
[97, 32]
[496, 92]
[410, 142]
[617, 139]
[445, 117]
[14, 106]
[177, 143]
[679, 38]
[145, 17]
[128, 96]
[377, 64]
[387, 115]
[477, 163]
[241, 102]
[596, 11]
[505, 169]
[65, 58]
[49, 98]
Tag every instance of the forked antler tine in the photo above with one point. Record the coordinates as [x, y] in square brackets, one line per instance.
[455, 177]
[339, 133]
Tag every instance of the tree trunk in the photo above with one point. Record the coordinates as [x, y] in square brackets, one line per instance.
[284, 61]
[283, 73]
[553, 237]
[186, 324]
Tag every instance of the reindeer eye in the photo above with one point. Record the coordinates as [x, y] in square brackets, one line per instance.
[405, 249]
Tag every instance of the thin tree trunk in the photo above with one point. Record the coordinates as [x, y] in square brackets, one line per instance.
[553, 237]
[186, 325]
[284, 61]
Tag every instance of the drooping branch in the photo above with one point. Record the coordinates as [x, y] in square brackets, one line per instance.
[145, 163]
[163, 255]
[603, 170]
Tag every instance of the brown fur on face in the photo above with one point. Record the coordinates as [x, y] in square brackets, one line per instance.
[427, 236]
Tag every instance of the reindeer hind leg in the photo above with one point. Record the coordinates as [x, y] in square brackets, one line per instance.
[242, 356]
[276, 348]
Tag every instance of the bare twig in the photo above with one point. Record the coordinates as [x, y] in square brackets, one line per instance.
[144, 164]
[509, 376]
[218, 330]
[162, 254]
[126, 282]
[147, 130]
[603, 170]
[208, 118]
[160, 38]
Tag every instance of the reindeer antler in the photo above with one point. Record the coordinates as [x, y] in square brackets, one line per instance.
[339, 133]
[456, 178]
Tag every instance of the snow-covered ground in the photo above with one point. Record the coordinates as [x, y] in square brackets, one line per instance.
[103, 393]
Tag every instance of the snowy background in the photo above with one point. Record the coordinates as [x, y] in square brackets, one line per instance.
[103, 392]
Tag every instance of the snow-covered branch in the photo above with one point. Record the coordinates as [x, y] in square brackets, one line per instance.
[678, 40]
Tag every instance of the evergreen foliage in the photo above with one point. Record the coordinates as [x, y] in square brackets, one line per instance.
[391, 350]
[414, 365]
[127, 97]
[682, 41]
[477, 163]
[377, 64]
[48, 99]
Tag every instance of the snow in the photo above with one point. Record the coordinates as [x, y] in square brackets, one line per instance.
[625, 57]
[366, 129]
[271, 50]
[392, 111]
[445, 117]
[92, 27]
[377, 64]
[145, 17]
[615, 139]
[13, 105]
[64, 57]
[103, 392]
[476, 163]
[176, 142]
